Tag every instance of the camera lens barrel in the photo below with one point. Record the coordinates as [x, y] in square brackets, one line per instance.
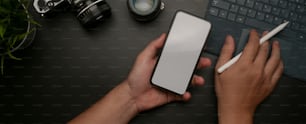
[91, 11]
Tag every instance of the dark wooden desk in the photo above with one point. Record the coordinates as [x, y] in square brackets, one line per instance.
[68, 68]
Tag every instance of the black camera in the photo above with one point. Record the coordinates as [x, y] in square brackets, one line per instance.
[88, 12]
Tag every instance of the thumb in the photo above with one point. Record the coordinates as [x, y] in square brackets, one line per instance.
[226, 52]
[174, 97]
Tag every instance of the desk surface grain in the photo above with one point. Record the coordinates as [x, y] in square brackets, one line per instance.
[68, 68]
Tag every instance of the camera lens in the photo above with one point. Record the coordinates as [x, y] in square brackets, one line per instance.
[145, 10]
[90, 12]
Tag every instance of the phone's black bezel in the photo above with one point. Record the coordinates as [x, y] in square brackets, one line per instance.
[162, 49]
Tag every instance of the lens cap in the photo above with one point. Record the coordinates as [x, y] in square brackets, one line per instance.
[145, 10]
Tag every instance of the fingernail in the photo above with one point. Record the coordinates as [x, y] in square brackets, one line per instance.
[162, 34]
[200, 79]
[227, 39]
[254, 30]
[276, 43]
[266, 44]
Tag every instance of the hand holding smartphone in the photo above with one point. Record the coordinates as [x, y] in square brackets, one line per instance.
[181, 52]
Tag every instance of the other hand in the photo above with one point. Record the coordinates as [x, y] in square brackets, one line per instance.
[144, 94]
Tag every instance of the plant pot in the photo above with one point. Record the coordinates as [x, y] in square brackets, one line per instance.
[26, 41]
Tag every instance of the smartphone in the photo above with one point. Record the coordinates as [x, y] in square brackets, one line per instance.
[181, 52]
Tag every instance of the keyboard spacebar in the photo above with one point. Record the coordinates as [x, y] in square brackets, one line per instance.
[258, 24]
[266, 26]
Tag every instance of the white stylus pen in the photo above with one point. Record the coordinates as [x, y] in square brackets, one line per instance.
[262, 40]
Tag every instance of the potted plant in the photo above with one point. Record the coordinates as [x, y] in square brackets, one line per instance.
[17, 28]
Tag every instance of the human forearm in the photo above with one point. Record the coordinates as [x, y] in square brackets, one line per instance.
[136, 94]
[233, 115]
[117, 107]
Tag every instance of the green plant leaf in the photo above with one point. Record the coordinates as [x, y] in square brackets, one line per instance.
[13, 41]
[9, 40]
[5, 20]
[2, 64]
[18, 38]
[4, 11]
[9, 53]
[34, 22]
[14, 20]
[2, 31]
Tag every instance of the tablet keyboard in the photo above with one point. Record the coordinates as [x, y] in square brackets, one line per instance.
[263, 13]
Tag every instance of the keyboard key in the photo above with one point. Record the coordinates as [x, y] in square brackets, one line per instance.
[283, 3]
[234, 8]
[268, 18]
[291, 6]
[274, 2]
[284, 13]
[258, 6]
[302, 1]
[277, 20]
[267, 8]
[302, 36]
[221, 4]
[250, 3]
[304, 19]
[295, 26]
[251, 13]
[300, 8]
[213, 11]
[293, 16]
[233, 1]
[264, 1]
[231, 16]
[260, 16]
[241, 2]
[240, 19]
[243, 10]
[275, 11]
[301, 18]
[303, 28]
[299, 1]
[223, 14]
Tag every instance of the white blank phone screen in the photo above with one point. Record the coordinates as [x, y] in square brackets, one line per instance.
[181, 52]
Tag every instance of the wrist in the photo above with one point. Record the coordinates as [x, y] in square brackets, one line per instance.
[233, 114]
[130, 92]
[125, 101]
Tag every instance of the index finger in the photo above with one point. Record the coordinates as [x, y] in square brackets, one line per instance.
[152, 49]
[226, 52]
[251, 49]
